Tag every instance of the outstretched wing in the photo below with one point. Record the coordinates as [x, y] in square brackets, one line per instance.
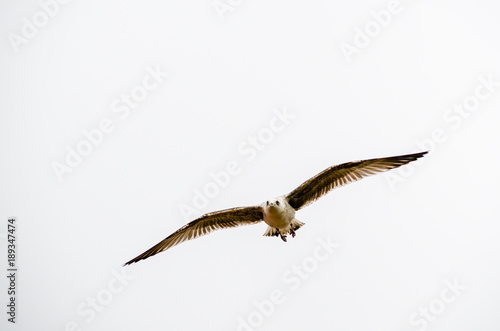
[203, 225]
[343, 174]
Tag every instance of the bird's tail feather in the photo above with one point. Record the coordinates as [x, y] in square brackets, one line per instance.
[271, 232]
[274, 232]
[296, 224]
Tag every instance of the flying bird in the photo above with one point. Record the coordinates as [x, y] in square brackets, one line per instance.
[279, 213]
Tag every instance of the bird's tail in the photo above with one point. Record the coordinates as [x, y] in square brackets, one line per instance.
[296, 224]
[271, 232]
[274, 232]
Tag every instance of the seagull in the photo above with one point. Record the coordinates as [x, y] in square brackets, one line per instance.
[279, 213]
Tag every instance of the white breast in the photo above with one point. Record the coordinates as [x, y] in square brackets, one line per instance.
[278, 216]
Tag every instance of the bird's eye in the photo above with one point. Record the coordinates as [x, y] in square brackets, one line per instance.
[277, 203]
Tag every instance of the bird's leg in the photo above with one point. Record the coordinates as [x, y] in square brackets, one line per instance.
[283, 237]
[292, 232]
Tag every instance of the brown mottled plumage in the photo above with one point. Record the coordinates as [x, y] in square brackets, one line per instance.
[343, 174]
[279, 213]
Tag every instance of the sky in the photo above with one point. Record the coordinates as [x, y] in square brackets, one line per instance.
[121, 121]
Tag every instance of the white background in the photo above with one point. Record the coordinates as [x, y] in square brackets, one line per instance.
[399, 244]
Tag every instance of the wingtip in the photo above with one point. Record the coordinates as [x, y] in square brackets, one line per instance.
[421, 154]
[134, 260]
[416, 155]
[128, 263]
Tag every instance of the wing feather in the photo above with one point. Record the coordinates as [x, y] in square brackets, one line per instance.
[343, 174]
[203, 225]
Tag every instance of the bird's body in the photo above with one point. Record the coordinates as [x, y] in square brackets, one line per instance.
[279, 213]
[280, 217]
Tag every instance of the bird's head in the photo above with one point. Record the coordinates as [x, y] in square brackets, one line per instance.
[275, 204]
